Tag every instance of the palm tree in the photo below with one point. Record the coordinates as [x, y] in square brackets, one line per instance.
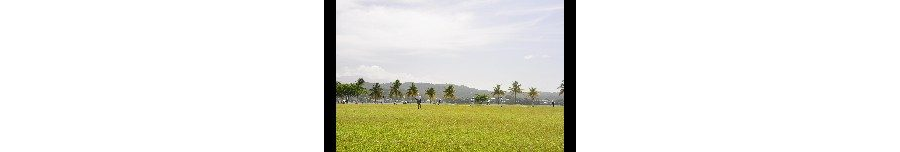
[448, 93]
[561, 87]
[412, 92]
[430, 94]
[395, 91]
[359, 83]
[336, 91]
[532, 92]
[375, 92]
[498, 93]
[515, 89]
[359, 92]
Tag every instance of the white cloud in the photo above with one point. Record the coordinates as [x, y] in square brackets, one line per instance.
[379, 28]
[455, 36]
[531, 56]
[528, 57]
[409, 27]
[375, 73]
[532, 10]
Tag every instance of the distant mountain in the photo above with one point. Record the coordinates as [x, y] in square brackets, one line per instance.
[462, 92]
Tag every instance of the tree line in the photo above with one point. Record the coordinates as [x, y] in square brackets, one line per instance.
[346, 92]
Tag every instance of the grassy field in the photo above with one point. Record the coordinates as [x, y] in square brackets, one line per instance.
[373, 127]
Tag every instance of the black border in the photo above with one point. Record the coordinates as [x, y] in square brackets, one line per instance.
[569, 66]
[330, 56]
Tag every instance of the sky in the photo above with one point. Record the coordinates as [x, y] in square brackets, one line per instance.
[476, 43]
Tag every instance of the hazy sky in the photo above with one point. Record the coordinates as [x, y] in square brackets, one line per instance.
[477, 43]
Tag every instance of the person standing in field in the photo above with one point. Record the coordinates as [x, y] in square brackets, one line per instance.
[419, 102]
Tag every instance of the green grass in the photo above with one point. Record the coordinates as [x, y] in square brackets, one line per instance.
[373, 127]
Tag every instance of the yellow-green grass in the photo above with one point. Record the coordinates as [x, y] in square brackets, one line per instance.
[389, 127]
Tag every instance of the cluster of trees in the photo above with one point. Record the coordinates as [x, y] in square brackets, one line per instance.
[345, 93]
[516, 89]
[355, 92]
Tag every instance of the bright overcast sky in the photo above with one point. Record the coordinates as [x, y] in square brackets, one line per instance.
[477, 43]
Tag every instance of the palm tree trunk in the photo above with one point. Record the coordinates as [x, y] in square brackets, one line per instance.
[516, 97]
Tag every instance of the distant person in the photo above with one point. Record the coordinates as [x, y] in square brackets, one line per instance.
[419, 102]
[553, 103]
[439, 101]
